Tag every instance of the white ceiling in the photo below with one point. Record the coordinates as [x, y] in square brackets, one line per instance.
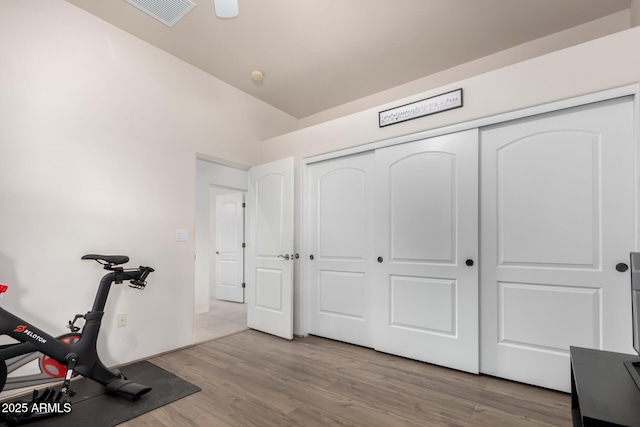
[318, 54]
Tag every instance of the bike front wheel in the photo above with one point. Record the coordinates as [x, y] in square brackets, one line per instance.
[3, 374]
[52, 367]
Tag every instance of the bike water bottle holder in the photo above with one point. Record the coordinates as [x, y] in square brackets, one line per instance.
[137, 284]
[72, 323]
[140, 282]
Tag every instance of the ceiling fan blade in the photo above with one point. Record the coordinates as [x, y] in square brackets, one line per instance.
[226, 8]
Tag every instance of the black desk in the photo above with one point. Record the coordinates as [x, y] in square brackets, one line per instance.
[602, 391]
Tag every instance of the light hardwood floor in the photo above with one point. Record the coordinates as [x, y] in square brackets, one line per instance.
[254, 379]
[223, 318]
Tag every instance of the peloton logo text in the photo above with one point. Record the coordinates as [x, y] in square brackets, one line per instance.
[23, 329]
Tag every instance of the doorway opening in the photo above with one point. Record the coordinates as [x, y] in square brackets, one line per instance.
[227, 308]
[219, 310]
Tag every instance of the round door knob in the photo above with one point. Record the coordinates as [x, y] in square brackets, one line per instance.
[469, 263]
[380, 259]
[622, 267]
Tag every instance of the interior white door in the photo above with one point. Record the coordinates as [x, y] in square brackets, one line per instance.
[269, 248]
[557, 216]
[229, 259]
[341, 242]
[426, 207]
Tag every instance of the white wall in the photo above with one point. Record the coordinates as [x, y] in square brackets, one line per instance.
[98, 139]
[600, 64]
[608, 62]
[614, 23]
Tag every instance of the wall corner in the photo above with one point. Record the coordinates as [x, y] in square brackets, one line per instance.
[635, 13]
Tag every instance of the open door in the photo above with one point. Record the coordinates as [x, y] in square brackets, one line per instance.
[270, 255]
[229, 273]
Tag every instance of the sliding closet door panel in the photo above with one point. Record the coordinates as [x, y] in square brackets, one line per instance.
[422, 222]
[557, 216]
[341, 224]
[426, 229]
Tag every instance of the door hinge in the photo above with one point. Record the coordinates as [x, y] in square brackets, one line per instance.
[244, 205]
[244, 245]
[244, 285]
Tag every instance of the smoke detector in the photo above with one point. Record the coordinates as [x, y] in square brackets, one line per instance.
[257, 75]
[166, 11]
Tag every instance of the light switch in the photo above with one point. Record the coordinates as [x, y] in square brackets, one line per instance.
[182, 235]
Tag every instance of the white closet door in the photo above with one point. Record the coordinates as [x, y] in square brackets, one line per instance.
[557, 217]
[341, 242]
[229, 272]
[426, 297]
[270, 248]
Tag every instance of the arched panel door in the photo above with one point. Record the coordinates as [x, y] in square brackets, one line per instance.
[557, 217]
[341, 241]
[229, 260]
[426, 243]
[270, 255]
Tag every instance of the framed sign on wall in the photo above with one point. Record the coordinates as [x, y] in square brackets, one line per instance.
[425, 107]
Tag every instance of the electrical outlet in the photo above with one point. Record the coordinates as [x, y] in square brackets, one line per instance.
[122, 319]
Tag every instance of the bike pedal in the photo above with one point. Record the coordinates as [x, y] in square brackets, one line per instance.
[67, 391]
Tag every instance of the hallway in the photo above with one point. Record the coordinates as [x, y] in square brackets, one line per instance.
[224, 318]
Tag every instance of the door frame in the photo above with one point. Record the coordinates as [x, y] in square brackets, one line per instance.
[305, 179]
[224, 174]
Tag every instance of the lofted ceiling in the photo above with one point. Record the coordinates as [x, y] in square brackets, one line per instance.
[319, 54]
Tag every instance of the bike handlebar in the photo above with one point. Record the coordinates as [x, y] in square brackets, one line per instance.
[141, 282]
[136, 276]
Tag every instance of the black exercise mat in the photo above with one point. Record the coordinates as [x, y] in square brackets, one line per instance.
[93, 406]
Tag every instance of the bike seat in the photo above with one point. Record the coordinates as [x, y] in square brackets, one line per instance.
[108, 259]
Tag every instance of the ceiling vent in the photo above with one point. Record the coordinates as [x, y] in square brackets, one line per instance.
[166, 11]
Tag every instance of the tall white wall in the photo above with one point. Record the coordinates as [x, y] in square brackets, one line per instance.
[604, 63]
[98, 139]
